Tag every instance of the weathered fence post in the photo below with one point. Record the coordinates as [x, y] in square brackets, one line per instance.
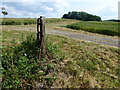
[41, 36]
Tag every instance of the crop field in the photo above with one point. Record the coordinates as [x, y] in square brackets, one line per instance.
[102, 27]
[27, 21]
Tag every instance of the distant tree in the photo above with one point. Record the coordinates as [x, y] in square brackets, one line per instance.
[81, 16]
[113, 20]
[3, 8]
[4, 12]
[65, 16]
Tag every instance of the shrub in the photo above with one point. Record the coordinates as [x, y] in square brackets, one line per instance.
[81, 16]
[22, 69]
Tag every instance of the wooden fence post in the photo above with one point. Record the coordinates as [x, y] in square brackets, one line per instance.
[41, 36]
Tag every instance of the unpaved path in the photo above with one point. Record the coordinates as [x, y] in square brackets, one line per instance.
[53, 28]
[86, 37]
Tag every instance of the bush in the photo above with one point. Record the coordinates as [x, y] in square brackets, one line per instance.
[22, 69]
[81, 16]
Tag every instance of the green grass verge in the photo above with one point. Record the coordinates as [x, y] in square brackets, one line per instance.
[81, 65]
[105, 27]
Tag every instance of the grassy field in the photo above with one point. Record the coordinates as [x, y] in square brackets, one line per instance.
[104, 27]
[27, 21]
[79, 64]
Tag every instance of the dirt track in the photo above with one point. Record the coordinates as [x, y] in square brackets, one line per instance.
[81, 35]
[86, 37]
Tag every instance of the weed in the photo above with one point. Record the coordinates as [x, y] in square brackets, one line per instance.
[21, 67]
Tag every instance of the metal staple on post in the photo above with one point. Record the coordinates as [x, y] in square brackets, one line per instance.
[41, 36]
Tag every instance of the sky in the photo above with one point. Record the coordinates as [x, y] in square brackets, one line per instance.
[106, 9]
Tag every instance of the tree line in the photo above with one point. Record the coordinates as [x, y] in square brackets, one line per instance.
[113, 20]
[81, 16]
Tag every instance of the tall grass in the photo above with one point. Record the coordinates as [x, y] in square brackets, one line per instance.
[107, 28]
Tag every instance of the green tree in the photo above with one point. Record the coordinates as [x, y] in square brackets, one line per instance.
[4, 12]
[81, 16]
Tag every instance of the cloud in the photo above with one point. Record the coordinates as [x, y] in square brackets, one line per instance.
[119, 10]
[34, 9]
[107, 9]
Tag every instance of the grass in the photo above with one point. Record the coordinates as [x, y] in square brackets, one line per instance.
[18, 21]
[20, 65]
[105, 27]
[81, 65]
[27, 21]
[87, 64]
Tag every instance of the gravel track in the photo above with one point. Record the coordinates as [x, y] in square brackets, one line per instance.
[105, 40]
[86, 37]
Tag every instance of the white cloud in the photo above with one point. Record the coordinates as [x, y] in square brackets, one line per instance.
[56, 8]
[48, 9]
[34, 9]
[119, 10]
[33, 0]
[107, 9]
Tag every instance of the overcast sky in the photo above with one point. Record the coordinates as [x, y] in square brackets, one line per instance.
[106, 9]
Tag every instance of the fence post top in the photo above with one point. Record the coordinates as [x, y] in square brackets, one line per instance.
[42, 17]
